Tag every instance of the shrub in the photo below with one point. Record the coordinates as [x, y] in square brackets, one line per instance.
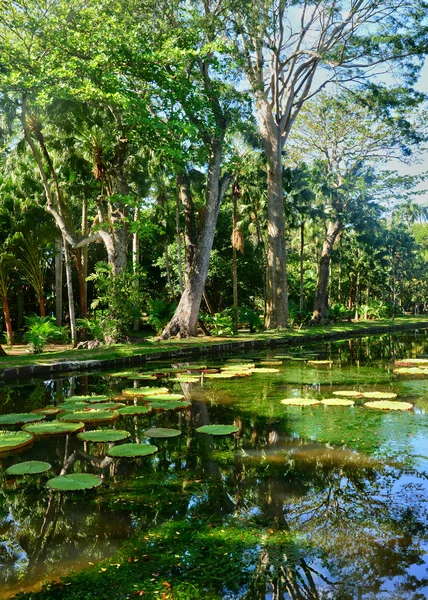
[160, 314]
[40, 331]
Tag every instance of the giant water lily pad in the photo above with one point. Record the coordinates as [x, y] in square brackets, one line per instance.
[264, 370]
[145, 391]
[240, 361]
[320, 363]
[20, 418]
[170, 405]
[337, 402]
[53, 428]
[411, 371]
[163, 397]
[134, 410]
[30, 467]
[12, 440]
[46, 410]
[348, 394]
[143, 377]
[100, 436]
[380, 395]
[162, 432]
[183, 379]
[87, 399]
[300, 401]
[238, 367]
[389, 405]
[218, 429]
[270, 363]
[106, 405]
[194, 367]
[72, 405]
[132, 450]
[74, 482]
[223, 375]
[125, 374]
[411, 362]
[89, 416]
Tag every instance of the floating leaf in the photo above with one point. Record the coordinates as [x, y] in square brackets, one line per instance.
[218, 429]
[320, 363]
[194, 367]
[411, 371]
[89, 416]
[145, 391]
[12, 440]
[288, 357]
[30, 467]
[240, 361]
[132, 450]
[87, 399]
[271, 363]
[162, 432]
[125, 374]
[53, 428]
[337, 402]
[20, 418]
[146, 377]
[348, 394]
[74, 482]
[169, 405]
[188, 379]
[47, 410]
[239, 367]
[163, 397]
[223, 375]
[72, 405]
[134, 410]
[411, 362]
[300, 401]
[264, 370]
[103, 435]
[105, 405]
[380, 395]
[388, 405]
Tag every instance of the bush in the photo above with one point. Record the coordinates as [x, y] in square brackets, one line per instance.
[250, 316]
[339, 312]
[93, 326]
[160, 314]
[42, 330]
[221, 323]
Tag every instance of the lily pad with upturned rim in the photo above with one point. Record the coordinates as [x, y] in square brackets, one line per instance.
[410, 371]
[146, 377]
[46, 410]
[102, 398]
[223, 375]
[263, 370]
[106, 405]
[388, 405]
[337, 402]
[218, 429]
[134, 410]
[30, 467]
[300, 402]
[89, 416]
[348, 394]
[163, 397]
[189, 379]
[100, 436]
[145, 391]
[74, 482]
[161, 432]
[13, 440]
[53, 428]
[70, 406]
[270, 363]
[380, 395]
[20, 418]
[238, 367]
[170, 405]
[132, 450]
[320, 363]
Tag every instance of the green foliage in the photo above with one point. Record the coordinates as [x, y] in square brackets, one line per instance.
[53, 428]
[339, 312]
[20, 418]
[220, 324]
[160, 313]
[11, 440]
[103, 435]
[92, 325]
[132, 450]
[247, 315]
[74, 482]
[42, 330]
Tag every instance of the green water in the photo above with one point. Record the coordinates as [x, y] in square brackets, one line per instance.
[306, 503]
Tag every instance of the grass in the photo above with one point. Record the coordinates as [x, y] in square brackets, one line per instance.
[155, 345]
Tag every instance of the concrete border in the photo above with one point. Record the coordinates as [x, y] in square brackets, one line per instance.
[66, 366]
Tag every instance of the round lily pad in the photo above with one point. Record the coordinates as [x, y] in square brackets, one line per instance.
[169, 405]
[87, 399]
[411, 362]
[20, 418]
[132, 450]
[123, 374]
[147, 377]
[337, 402]
[188, 379]
[103, 435]
[218, 429]
[264, 370]
[72, 405]
[194, 367]
[320, 363]
[410, 371]
[46, 410]
[145, 391]
[89, 416]
[380, 395]
[30, 467]
[53, 428]
[134, 410]
[74, 482]
[163, 397]
[271, 363]
[223, 375]
[162, 432]
[12, 440]
[240, 360]
[300, 401]
[106, 405]
[239, 367]
[348, 394]
[388, 405]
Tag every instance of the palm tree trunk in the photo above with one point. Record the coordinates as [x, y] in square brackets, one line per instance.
[234, 263]
[70, 294]
[136, 260]
[7, 320]
[58, 280]
[302, 249]
[41, 301]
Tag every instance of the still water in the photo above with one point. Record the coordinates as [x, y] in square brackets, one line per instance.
[320, 502]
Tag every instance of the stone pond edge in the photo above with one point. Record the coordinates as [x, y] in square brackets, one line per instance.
[66, 366]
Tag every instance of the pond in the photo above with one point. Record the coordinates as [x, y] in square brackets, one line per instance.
[293, 502]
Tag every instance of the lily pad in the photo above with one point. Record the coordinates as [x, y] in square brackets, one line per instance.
[240, 361]
[169, 405]
[12, 440]
[125, 374]
[87, 399]
[103, 435]
[46, 410]
[132, 450]
[162, 432]
[188, 379]
[411, 362]
[239, 367]
[72, 405]
[30, 467]
[53, 428]
[194, 367]
[411, 371]
[271, 363]
[288, 357]
[134, 410]
[320, 363]
[348, 394]
[218, 429]
[223, 375]
[74, 482]
[388, 405]
[20, 418]
[163, 397]
[106, 405]
[337, 402]
[300, 401]
[264, 370]
[147, 377]
[89, 416]
[145, 391]
[380, 395]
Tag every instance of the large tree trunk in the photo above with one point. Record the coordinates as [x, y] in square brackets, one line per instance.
[190, 233]
[116, 243]
[320, 313]
[58, 280]
[136, 260]
[276, 273]
[184, 322]
[7, 320]
[302, 250]
[178, 235]
[83, 271]
[41, 301]
[70, 294]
